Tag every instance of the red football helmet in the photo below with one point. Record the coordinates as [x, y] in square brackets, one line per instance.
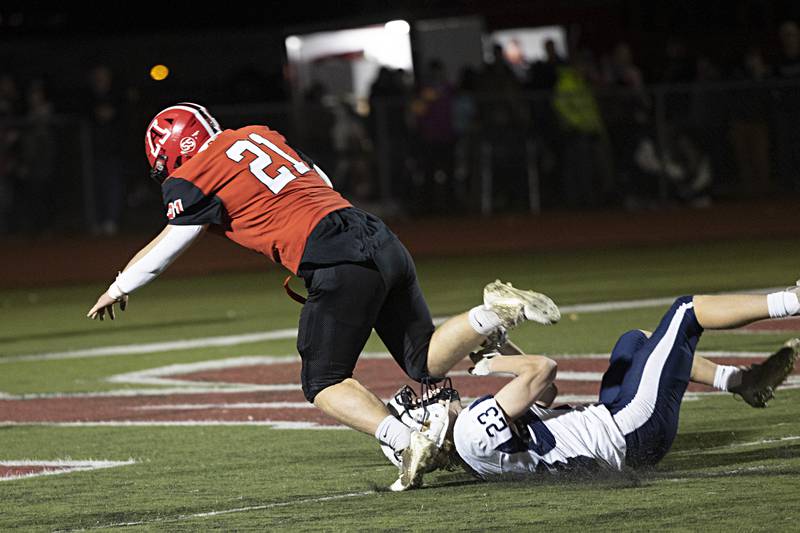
[175, 135]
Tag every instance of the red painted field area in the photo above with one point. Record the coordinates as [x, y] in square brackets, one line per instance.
[27, 471]
[789, 325]
[284, 406]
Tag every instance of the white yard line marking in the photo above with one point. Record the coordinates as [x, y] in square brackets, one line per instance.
[60, 466]
[759, 442]
[291, 333]
[735, 445]
[65, 463]
[236, 405]
[154, 347]
[274, 424]
[601, 307]
[193, 516]
[191, 388]
[563, 375]
[719, 474]
[158, 376]
[620, 305]
[793, 383]
[788, 331]
[703, 353]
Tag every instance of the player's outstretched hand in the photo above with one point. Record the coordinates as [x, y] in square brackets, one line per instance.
[106, 304]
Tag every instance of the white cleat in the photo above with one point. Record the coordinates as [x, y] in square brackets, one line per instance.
[418, 458]
[516, 305]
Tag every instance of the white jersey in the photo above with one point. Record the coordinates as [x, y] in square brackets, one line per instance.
[540, 440]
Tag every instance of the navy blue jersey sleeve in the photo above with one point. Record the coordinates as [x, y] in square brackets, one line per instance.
[187, 205]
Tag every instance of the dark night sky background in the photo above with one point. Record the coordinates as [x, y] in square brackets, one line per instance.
[211, 48]
[231, 56]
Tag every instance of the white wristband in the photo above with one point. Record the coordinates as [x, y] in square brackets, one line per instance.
[481, 368]
[115, 292]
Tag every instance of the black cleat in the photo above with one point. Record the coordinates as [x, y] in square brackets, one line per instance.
[760, 380]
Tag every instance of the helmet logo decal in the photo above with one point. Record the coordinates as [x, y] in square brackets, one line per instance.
[156, 137]
[188, 144]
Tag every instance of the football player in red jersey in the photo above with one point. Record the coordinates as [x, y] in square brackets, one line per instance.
[251, 186]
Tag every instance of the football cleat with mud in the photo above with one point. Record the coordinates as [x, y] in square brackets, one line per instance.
[760, 380]
[418, 458]
[514, 306]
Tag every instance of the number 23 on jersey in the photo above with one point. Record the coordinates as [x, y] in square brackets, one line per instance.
[492, 421]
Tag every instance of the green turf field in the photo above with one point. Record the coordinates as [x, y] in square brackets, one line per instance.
[732, 467]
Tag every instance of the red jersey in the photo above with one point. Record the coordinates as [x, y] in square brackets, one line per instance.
[253, 187]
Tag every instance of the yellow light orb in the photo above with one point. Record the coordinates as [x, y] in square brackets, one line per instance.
[159, 72]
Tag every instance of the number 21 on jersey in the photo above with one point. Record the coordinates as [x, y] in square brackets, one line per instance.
[261, 148]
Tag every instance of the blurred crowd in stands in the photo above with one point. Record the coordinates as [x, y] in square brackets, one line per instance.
[585, 131]
[50, 153]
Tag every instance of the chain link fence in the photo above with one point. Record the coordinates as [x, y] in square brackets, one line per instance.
[509, 151]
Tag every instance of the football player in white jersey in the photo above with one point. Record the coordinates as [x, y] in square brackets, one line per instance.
[636, 418]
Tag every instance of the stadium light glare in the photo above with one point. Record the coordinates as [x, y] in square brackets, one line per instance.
[400, 27]
[159, 72]
[294, 43]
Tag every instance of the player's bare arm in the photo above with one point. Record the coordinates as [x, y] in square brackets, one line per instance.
[505, 346]
[145, 266]
[534, 375]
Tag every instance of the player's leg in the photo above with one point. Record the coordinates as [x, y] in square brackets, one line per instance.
[450, 343]
[405, 326]
[704, 371]
[503, 307]
[647, 407]
[619, 363]
[343, 304]
[335, 323]
[352, 404]
[755, 384]
[721, 377]
[735, 310]
[727, 311]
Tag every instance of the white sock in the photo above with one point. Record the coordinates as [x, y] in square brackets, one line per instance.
[484, 321]
[784, 303]
[727, 377]
[394, 433]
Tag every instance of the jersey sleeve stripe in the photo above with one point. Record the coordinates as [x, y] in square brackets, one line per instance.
[479, 400]
[209, 126]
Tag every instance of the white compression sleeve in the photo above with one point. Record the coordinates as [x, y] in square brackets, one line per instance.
[143, 271]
